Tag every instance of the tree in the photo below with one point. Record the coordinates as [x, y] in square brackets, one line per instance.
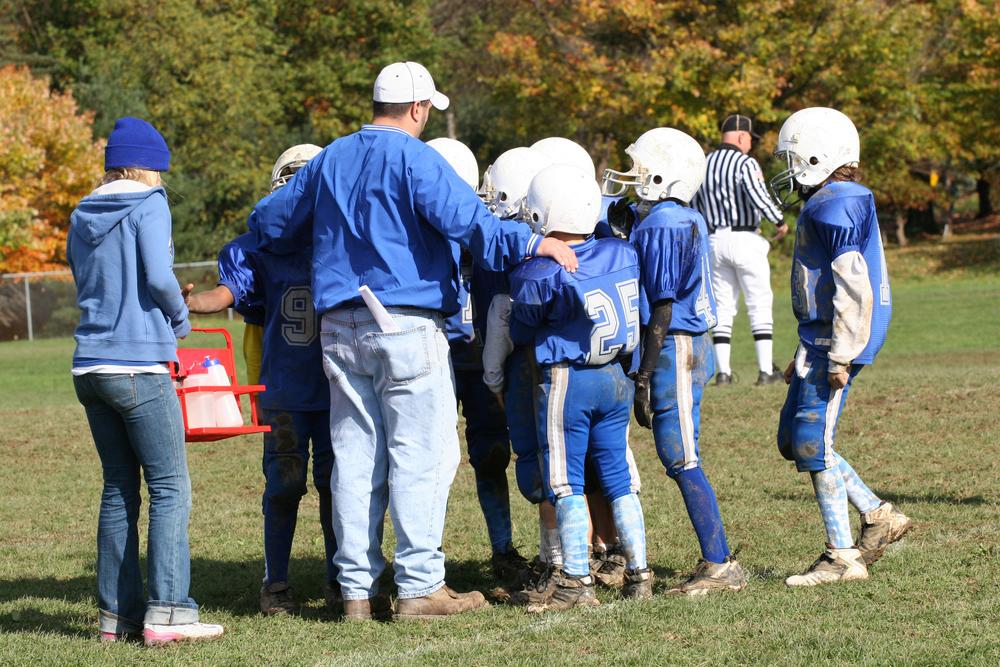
[48, 162]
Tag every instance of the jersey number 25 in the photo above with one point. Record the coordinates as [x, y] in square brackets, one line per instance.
[605, 337]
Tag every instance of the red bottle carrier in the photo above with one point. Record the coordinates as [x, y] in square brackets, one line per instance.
[189, 356]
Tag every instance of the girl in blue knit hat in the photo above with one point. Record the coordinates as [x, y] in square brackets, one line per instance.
[131, 313]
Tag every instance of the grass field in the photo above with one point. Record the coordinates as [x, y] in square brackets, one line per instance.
[921, 427]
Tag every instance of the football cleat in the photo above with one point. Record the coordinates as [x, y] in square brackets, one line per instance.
[638, 584]
[833, 565]
[710, 577]
[510, 567]
[276, 598]
[611, 570]
[539, 586]
[569, 592]
[723, 378]
[880, 528]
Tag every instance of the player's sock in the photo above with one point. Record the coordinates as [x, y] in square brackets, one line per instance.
[279, 531]
[858, 493]
[551, 548]
[831, 494]
[631, 526]
[329, 538]
[722, 353]
[494, 500]
[703, 509]
[573, 519]
[763, 344]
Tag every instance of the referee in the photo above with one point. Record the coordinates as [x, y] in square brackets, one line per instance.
[732, 200]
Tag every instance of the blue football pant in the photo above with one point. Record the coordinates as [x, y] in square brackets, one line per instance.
[285, 462]
[519, 402]
[581, 410]
[808, 423]
[685, 365]
[489, 453]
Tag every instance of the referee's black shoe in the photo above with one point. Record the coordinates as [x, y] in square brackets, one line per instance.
[723, 378]
[773, 377]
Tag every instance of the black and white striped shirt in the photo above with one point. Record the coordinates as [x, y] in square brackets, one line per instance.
[733, 194]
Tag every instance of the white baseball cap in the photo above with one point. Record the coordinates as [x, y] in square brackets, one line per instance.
[408, 82]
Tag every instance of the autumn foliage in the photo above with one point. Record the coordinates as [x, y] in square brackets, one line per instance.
[48, 161]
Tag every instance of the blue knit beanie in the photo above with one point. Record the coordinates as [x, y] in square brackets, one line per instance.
[136, 143]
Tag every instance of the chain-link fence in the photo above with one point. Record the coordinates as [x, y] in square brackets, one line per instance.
[43, 304]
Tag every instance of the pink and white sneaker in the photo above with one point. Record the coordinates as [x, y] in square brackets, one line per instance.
[155, 635]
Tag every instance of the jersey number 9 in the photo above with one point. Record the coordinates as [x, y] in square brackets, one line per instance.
[299, 326]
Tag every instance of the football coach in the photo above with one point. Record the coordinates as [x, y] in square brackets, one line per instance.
[379, 208]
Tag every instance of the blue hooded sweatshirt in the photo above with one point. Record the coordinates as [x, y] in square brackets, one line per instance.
[121, 254]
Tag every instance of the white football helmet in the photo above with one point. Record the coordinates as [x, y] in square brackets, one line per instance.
[506, 181]
[563, 198]
[460, 157]
[565, 151]
[290, 162]
[666, 163]
[813, 143]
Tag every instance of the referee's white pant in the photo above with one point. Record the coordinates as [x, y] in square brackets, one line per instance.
[739, 262]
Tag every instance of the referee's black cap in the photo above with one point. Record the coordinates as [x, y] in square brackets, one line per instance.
[739, 123]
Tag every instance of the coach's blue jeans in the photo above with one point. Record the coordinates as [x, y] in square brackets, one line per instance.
[136, 423]
[393, 421]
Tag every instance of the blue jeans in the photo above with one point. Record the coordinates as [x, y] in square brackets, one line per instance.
[393, 421]
[136, 423]
[285, 463]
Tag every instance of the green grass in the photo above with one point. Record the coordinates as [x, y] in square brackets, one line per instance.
[921, 427]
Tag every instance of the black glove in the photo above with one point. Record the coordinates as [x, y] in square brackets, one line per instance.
[642, 404]
[621, 217]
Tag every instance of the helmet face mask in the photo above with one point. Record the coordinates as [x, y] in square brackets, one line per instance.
[784, 187]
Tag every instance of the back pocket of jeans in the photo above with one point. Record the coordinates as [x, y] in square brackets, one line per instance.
[405, 354]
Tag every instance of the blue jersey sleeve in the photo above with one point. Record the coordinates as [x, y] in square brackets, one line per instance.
[532, 298]
[282, 221]
[236, 272]
[836, 228]
[665, 253]
[453, 208]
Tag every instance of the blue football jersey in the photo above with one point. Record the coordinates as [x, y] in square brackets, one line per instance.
[236, 272]
[588, 317]
[459, 325]
[672, 242]
[838, 219]
[292, 364]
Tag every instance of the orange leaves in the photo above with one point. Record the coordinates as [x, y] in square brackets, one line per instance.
[48, 161]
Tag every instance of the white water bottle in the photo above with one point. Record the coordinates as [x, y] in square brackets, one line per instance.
[227, 411]
[199, 405]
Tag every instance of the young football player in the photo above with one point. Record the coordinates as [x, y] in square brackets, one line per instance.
[578, 325]
[677, 310]
[485, 423]
[296, 404]
[843, 303]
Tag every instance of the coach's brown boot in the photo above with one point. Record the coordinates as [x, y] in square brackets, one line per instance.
[880, 528]
[377, 608]
[570, 592]
[442, 602]
[638, 584]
